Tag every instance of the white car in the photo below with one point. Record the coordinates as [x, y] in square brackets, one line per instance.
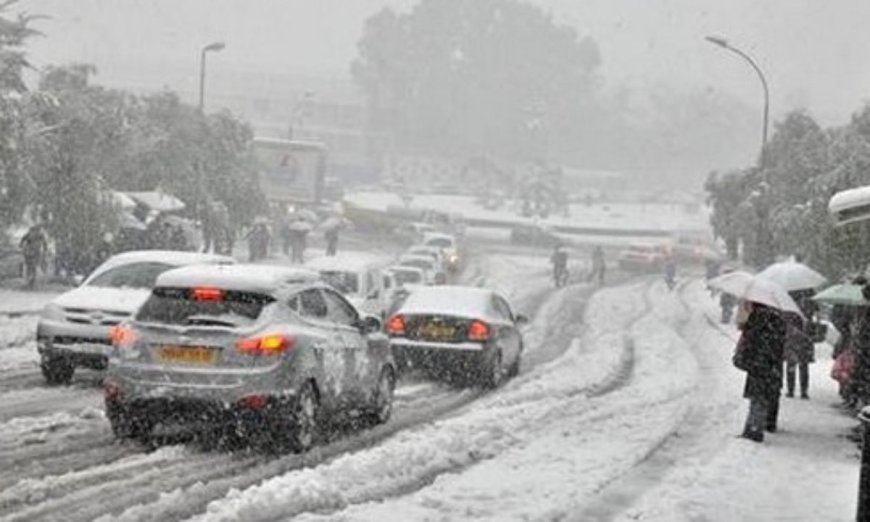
[448, 245]
[434, 252]
[73, 329]
[432, 272]
[358, 277]
[407, 275]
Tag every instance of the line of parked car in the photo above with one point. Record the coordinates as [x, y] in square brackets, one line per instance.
[273, 353]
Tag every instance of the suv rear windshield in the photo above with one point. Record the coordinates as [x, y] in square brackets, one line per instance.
[178, 306]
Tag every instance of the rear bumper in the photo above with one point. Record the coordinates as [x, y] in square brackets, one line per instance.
[450, 357]
[81, 346]
[200, 412]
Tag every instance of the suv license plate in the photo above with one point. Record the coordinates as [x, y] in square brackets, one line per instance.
[187, 354]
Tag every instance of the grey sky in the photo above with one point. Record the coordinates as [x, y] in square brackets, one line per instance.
[815, 52]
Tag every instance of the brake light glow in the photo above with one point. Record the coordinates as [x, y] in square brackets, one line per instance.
[478, 330]
[122, 336]
[255, 402]
[111, 391]
[206, 293]
[396, 325]
[271, 344]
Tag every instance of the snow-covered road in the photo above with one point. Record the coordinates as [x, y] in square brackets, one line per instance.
[59, 459]
[616, 392]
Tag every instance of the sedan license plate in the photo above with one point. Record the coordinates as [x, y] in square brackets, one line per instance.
[187, 354]
[437, 331]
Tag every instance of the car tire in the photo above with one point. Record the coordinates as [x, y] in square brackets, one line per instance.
[493, 371]
[382, 406]
[514, 369]
[306, 414]
[57, 371]
[126, 426]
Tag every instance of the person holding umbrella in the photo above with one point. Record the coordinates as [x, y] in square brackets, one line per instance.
[801, 282]
[759, 351]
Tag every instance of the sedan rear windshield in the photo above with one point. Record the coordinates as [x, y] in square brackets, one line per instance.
[418, 263]
[179, 306]
[346, 283]
[407, 276]
[133, 275]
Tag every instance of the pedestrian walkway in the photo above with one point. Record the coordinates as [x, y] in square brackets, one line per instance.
[808, 470]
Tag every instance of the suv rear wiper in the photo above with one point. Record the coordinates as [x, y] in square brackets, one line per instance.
[200, 320]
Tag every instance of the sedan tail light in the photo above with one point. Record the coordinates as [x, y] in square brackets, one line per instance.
[396, 325]
[271, 344]
[478, 330]
[123, 336]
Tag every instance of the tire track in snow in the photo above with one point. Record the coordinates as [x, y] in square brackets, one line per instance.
[617, 496]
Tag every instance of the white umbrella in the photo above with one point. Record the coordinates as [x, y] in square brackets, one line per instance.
[792, 275]
[304, 213]
[756, 289]
[300, 226]
[335, 222]
[157, 200]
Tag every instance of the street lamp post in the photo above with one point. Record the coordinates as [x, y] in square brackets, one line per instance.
[216, 46]
[723, 43]
[763, 245]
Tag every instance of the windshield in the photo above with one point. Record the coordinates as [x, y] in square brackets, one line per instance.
[407, 276]
[346, 283]
[440, 242]
[134, 275]
[418, 263]
[177, 306]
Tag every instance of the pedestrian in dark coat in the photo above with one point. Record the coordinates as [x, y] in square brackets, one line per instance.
[760, 353]
[34, 247]
[799, 353]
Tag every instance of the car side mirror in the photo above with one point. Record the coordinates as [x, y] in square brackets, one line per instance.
[78, 279]
[369, 324]
[521, 320]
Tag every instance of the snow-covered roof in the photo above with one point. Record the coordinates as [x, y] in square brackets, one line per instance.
[463, 301]
[170, 257]
[347, 262]
[252, 278]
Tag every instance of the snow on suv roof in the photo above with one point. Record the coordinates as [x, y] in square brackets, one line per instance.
[253, 278]
[463, 301]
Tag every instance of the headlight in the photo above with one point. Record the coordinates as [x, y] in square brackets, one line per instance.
[52, 312]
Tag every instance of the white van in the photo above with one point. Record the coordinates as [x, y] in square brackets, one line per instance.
[359, 277]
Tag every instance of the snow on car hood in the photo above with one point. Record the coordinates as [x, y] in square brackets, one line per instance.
[100, 298]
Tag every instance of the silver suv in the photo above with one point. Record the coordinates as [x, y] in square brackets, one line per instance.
[266, 352]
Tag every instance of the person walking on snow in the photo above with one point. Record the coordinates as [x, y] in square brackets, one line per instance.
[34, 246]
[759, 353]
[331, 236]
[598, 266]
[559, 259]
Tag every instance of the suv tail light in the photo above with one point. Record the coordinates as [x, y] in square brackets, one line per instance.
[123, 336]
[478, 330]
[396, 325]
[271, 344]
